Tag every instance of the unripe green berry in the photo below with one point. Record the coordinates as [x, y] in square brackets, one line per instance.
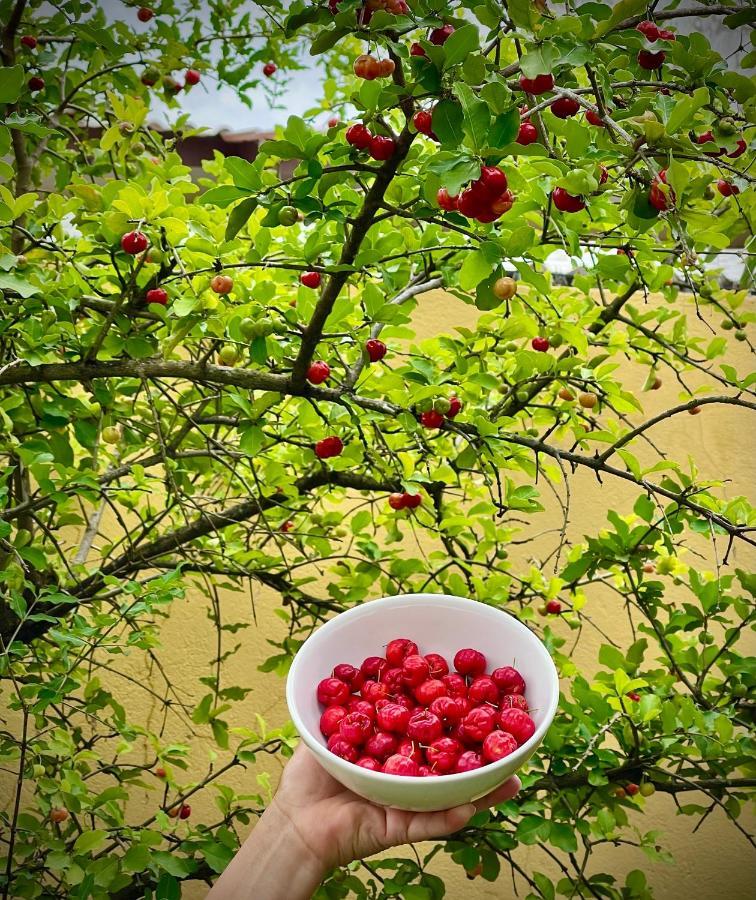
[287, 215]
[556, 340]
[425, 405]
[441, 405]
[512, 347]
[740, 335]
[727, 324]
[522, 396]
[647, 789]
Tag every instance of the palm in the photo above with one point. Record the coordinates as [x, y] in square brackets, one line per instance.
[339, 826]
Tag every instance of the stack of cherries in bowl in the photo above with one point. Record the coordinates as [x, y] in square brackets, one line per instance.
[408, 714]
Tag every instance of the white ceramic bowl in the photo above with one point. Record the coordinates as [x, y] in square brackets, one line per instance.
[438, 623]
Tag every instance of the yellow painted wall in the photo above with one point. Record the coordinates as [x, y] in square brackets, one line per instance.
[715, 862]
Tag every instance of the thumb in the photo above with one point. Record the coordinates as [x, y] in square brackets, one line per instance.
[424, 826]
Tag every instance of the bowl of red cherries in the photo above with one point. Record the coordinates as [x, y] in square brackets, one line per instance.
[422, 701]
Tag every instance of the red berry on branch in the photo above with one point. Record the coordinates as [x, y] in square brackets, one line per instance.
[417, 50]
[727, 188]
[494, 180]
[540, 343]
[36, 83]
[431, 419]
[554, 607]
[28, 40]
[396, 501]
[269, 69]
[318, 372]
[538, 85]
[649, 30]
[382, 148]
[144, 14]
[358, 136]
[567, 202]
[192, 77]
[649, 60]
[738, 151]
[441, 35]
[328, 447]
[334, 122]
[157, 295]
[367, 67]
[134, 242]
[658, 197]
[185, 811]
[455, 407]
[423, 122]
[310, 279]
[564, 107]
[528, 134]
[375, 349]
[593, 118]
[666, 35]
[446, 202]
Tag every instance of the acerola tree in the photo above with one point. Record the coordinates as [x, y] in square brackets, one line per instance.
[192, 383]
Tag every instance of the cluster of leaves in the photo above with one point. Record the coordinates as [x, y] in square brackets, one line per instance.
[146, 448]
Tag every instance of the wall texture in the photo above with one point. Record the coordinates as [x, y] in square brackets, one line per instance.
[714, 862]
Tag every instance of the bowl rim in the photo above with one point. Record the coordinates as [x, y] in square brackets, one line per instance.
[521, 755]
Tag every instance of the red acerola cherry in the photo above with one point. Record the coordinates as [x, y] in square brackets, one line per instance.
[423, 122]
[329, 721]
[567, 202]
[727, 188]
[649, 30]
[455, 406]
[497, 745]
[528, 134]
[399, 649]
[564, 107]
[134, 242]
[381, 745]
[373, 691]
[396, 501]
[59, 814]
[474, 201]
[185, 811]
[393, 680]
[431, 419]
[554, 607]
[358, 136]
[448, 709]
[367, 762]
[706, 138]
[445, 201]
[666, 35]
[269, 69]
[417, 49]
[318, 372]
[334, 122]
[438, 665]
[332, 692]
[337, 745]
[540, 343]
[356, 728]
[400, 765]
[739, 150]
[443, 753]
[424, 727]
[328, 447]
[429, 691]
[649, 60]
[634, 696]
[468, 761]
[28, 40]
[375, 349]
[513, 701]
[538, 85]
[483, 690]
[493, 179]
[310, 279]
[441, 35]
[469, 662]
[372, 666]
[157, 295]
[508, 680]
[36, 83]
[192, 77]
[347, 673]
[631, 789]
[367, 67]
[518, 723]
[593, 118]
[479, 722]
[658, 197]
[356, 704]
[455, 684]
[382, 148]
[144, 14]
[415, 669]
[412, 501]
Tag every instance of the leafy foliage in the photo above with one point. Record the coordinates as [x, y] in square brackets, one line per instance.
[146, 447]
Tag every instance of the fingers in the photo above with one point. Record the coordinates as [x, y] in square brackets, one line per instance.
[424, 826]
[502, 793]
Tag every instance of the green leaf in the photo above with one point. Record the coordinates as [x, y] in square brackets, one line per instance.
[563, 836]
[239, 217]
[533, 829]
[461, 43]
[22, 287]
[476, 115]
[243, 172]
[540, 61]
[88, 841]
[11, 83]
[448, 121]
[474, 269]
[505, 128]
[223, 195]
[327, 39]
[685, 109]
[623, 10]
[136, 858]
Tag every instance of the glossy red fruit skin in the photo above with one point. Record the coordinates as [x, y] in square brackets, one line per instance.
[497, 745]
[36, 83]
[356, 728]
[332, 692]
[540, 343]
[517, 723]
[365, 66]
[424, 727]
[318, 372]
[412, 501]
[430, 690]
[493, 180]
[508, 680]
[185, 811]
[443, 753]
[373, 691]
[28, 40]
[375, 349]
[632, 695]
[448, 709]
[445, 201]
[441, 35]
[483, 690]
[649, 30]
[666, 35]
[727, 188]
[415, 670]
[594, 118]
[417, 49]
[269, 69]
[328, 447]
[400, 765]
[396, 501]
[134, 242]
[564, 107]
[650, 61]
[538, 85]
[358, 136]
[554, 607]
[310, 279]
[431, 419]
[144, 14]
[657, 197]
[479, 722]
[381, 745]
[348, 674]
[468, 761]
[382, 148]
[399, 649]
[567, 202]
[157, 295]
[329, 721]
[356, 704]
[367, 762]
[474, 201]
[469, 662]
[192, 77]
[455, 684]
[513, 701]
[372, 666]
[423, 122]
[337, 745]
[437, 665]
[739, 150]
[456, 407]
[528, 134]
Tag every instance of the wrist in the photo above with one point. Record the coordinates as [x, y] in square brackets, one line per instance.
[278, 820]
